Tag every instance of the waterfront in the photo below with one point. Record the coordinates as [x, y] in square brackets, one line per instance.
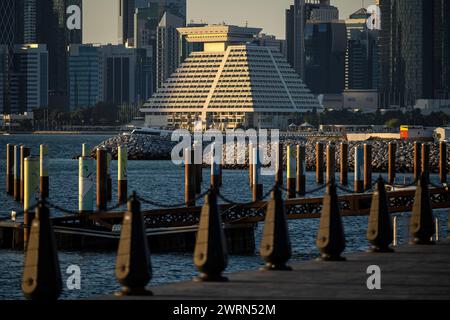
[163, 182]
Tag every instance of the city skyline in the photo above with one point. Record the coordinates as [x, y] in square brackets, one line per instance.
[270, 15]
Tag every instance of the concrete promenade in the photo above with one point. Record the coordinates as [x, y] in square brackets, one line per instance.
[412, 272]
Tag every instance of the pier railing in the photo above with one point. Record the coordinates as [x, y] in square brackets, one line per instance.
[299, 208]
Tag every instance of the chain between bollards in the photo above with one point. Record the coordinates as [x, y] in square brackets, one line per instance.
[177, 205]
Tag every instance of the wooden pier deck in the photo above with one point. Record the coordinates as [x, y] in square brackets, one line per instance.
[412, 272]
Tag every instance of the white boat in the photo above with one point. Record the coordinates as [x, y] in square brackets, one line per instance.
[152, 132]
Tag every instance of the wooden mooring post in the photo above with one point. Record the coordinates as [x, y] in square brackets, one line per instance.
[85, 185]
[392, 155]
[189, 177]
[344, 164]
[31, 187]
[301, 170]
[24, 152]
[9, 169]
[108, 176]
[280, 165]
[417, 160]
[257, 185]
[17, 174]
[443, 162]
[331, 166]
[426, 160]
[43, 172]
[359, 169]
[198, 164]
[319, 163]
[102, 179]
[291, 168]
[215, 171]
[122, 177]
[250, 165]
[367, 166]
[84, 150]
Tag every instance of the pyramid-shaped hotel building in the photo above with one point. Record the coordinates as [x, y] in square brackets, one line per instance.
[232, 83]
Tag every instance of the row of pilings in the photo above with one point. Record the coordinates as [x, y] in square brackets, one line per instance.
[27, 179]
[27, 176]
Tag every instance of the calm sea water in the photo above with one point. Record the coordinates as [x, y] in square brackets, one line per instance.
[163, 182]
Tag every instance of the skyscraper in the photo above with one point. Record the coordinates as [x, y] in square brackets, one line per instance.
[325, 48]
[168, 47]
[85, 72]
[296, 17]
[4, 103]
[414, 51]
[295, 24]
[45, 23]
[11, 32]
[362, 57]
[176, 7]
[146, 22]
[155, 26]
[126, 21]
[7, 22]
[29, 79]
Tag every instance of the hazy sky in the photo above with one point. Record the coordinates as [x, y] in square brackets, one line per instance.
[267, 14]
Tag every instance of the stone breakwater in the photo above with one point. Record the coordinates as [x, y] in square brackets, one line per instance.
[140, 147]
[145, 147]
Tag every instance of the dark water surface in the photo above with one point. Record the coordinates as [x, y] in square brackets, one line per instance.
[163, 182]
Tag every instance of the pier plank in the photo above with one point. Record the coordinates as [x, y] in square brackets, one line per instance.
[412, 272]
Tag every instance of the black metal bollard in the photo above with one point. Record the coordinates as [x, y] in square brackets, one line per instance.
[379, 231]
[422, 220]
[275, 245]
[41, 278]
[133, 264]
[331, 237]
[210, 255]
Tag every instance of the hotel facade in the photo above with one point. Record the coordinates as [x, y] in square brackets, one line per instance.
[232, 83]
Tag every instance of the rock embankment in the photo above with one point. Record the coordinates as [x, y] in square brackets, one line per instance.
[145, 147]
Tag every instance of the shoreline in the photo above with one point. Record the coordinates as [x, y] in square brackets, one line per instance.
[159, 148]
[62, 133]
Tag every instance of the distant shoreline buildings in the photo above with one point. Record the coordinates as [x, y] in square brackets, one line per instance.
[64, 55]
